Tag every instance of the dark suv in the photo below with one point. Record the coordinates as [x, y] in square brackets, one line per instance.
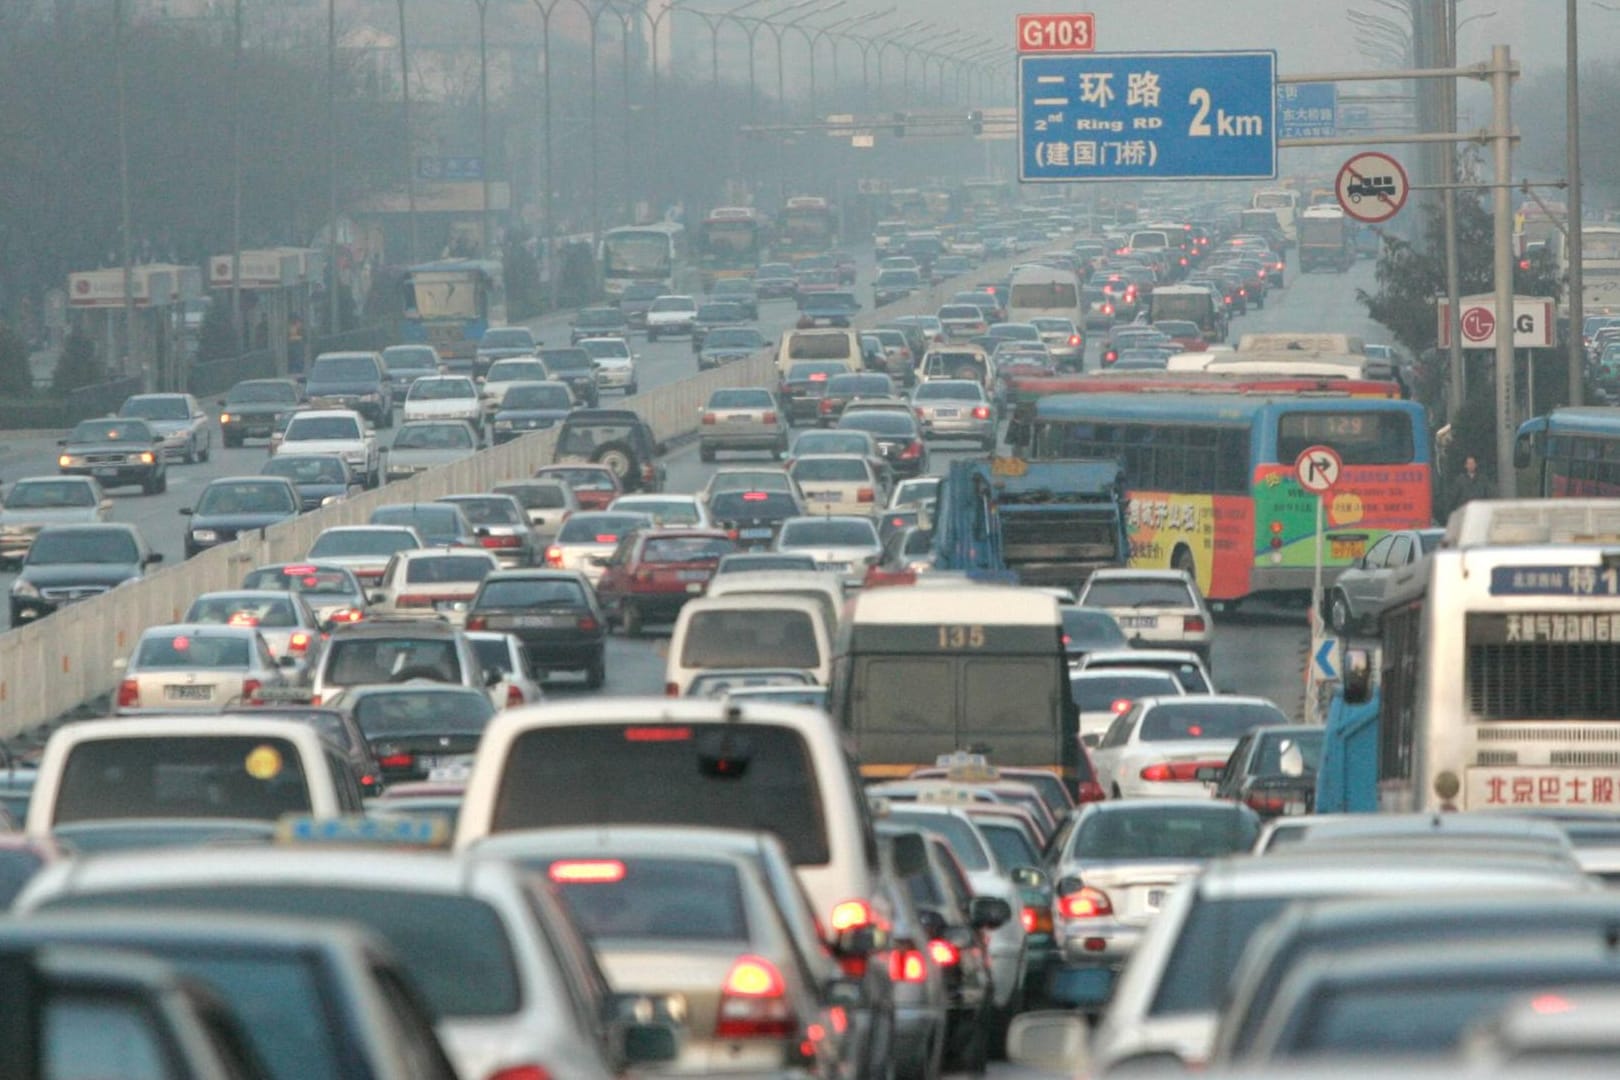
[616, 438]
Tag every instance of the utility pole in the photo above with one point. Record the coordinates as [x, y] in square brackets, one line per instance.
[331, 175]
[1456, 388]
[123, 194]
[410, 143]
[483, 123]
[1501, 194]
[1573, 246]
[236, 180]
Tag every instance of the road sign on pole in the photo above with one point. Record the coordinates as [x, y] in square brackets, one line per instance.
[1317, 468]
[1148, 116]
[1372, 187]
[1307, 110]
[1072, 32]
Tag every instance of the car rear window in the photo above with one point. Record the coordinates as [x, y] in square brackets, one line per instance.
[581, 479]
[194, 651]
[731, 505]
[531, 592]
[756, 638]
[844, 470]
[682, 549]
[377, 542]
[420, 711]
[488, 511]
[1164, 832]
[879, 422]
[959, 833]
[950, 390]
[455, 948]
[1138, 593]
[830, 531]
[1009, 844]
[736, 775]
[741, 399]
[1207, 952]
[191, 776]
[1180, 721]
[537, 496]
[369, 659]
[818, 346]
[1083, 628]
[1099, 694]
[661, 899]
[600, 529]
[270, 612]
[445, 569]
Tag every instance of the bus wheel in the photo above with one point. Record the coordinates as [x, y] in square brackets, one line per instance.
[1182, 559]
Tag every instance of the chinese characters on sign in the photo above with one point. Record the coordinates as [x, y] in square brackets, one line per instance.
[1161, 514]
[1157, 116]
[1503, 787]
[1307, 111]
[1555, 581]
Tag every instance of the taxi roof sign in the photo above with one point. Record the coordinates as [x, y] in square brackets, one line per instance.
[966, 767]
[425, 831]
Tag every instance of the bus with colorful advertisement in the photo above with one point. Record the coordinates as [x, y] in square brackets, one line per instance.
[653, 253]
[730, 244]
[1211, 478]
[1569, 452]
[808, 226]
[450, 303]
[1496, 670]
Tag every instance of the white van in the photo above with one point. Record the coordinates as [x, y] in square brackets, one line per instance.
[172, 769]
[764, 630]
[825, 588]
[1049, 291]
[824, 345]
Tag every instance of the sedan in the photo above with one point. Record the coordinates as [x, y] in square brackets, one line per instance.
[74, 562]
[1088, 630]
[851, 386]
[741, 418]
[962, 322]
[615, 364]
[319, 479]
[1103, 696]
[431, 584]
[420, 445]
[546, 503]
[739, 291]
[955, 409]
[38, 501]
[407, 363]
[1065, 340]
[504, 653]
[332, 592]
[752, 518]
[1159, 746]
[505, 374]
[1272, 770]
[712, 316]
[530, 406]
[251, 409]
[178, 420]
[363, 550]
[502, 527]
[728, 344]
[437, 524]
[744, 479]
[554, 614]
[665, 509]
[776, 281]
[115, 453]
[899, 438]
[1385, 570]
[289, 627]
[598, 322]
[194, 667]
[651, 575]
[238, 504]
[588, 538]
[444, 397]
[594, 486]
[418, 731]
[845, 545]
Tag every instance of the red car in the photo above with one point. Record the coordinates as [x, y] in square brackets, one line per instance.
[595, 486]
[653, 573]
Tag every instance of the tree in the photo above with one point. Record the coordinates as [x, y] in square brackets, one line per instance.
[16, 377]
[521, 273]
[216, 338]
[78, 366]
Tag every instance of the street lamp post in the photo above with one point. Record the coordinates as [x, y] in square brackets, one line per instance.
[1573, 245]
[236, 176]
[120, 74]
[331, 169]
[410, 148]
[483, 122]
[887, 43]
[835, 32]
[552, 262]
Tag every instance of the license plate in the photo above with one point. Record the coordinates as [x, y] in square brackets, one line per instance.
[739, 418]
[1348, 549]
[692, 575]
[1293, 807]
[946, 414]
[450, 605]
[695, 587]
[105, 472]
[1155, 899]
[446, 761]
[188, 693]
[753, 534]
[537, 622]
[824, 496]
[1139, 622]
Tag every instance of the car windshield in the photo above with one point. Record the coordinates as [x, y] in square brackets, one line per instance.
[540, 396]
[308, 470]
[1206, 719]
[1164, 832]
[684, 549]
[655, 899]
[582, 479]
[183, 650]
[840, 470]
[561, 360]
[606, 348]
[255, 393]
[734, 505]
[1091, 630]
[507, 338]
[1053, 326]
[741, 399]
[272, 612]
[1099, 693]
[457, 436]
[523, 592]
[337, 543]
[674, 303]
[50, 495]
[443, 389]
[950, 390]
[410, 358]
[110, 431]
[254, 777]
[536, 496]
[489, 511]
[332, 369]
[734, 338]
[416, 711]
[315, 428]
[1138, 593]
[58, 547]
[880, 422]
[824, 346]
[361, 661]
[515, 371]
[156, 408]
[447, 569]
[309, 580]
[829, 532]
[600, 528]
[585, 437]
[663, 511]
[602, 316]
[1009, 844]
[1207, 950]
[223, 498]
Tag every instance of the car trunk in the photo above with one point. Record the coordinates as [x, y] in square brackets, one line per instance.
[1138, 889]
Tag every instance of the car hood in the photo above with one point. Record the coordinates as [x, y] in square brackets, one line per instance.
[67, 515]
[256, 520]
[79, 449]
[63, 574]
[340, 386]
[531, 414]
[426, 456]
[260, 408]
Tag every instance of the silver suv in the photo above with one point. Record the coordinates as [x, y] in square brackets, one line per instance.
[399, 650]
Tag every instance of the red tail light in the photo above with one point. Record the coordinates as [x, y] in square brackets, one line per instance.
[554, 555]
[1090, 791]
[1108, 309]
[753, 1002]
[672, 689]
[1265, 804]
[1036, 920]
[708, 418]
[944, 953]
[1193, 624]
[588, 625]
[521, 1072]
[1088, 903]
[514, 695]
[912, 452]
[500, 541]
[981, 412]
[907, 966]
[733, 533]
[587, 871]
[250, 689]
[397, 761]
[1120, 706]
[299, 642]
[768, 418]
[129, 694]
[1074, 340]
[347, 615]
[1175, 771]
[826, 406]
[865, 495]
[476, 622]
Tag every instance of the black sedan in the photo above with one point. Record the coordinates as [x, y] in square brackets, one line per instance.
[531, 406]
[898, 437]
[116, 452]
[319, 478]
[752, 518]
[237, 504]
[419, 731]
[75, 562]
[554, 613]
[713, 315]
[250, 409]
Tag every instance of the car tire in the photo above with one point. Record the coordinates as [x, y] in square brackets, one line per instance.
[969, 1051]
[190, 456]
[630, 616]
[632, 390]
[619, 459]
[705, 453]
[1338, 612]
[596, 674]
[207, 449]
[1182, 559]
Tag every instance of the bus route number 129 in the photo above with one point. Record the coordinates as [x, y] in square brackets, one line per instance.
[961, 637]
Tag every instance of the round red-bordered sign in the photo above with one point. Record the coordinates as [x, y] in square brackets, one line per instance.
[1478, 324]
[1372, 187]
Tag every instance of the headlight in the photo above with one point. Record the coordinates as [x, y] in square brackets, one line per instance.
[147, 457]
[204, 536]
[224, 417]
[64, 461]
[24, 588]
[331, 499]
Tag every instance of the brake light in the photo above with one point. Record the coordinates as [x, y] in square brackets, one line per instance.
[521, 1072]
[657, 734]
[907, 966]
[1090, 791]
[1193, 624]
[1265, 804]
[733, 533]
[250, 689]
[587, 871]
[1176, 771]
[864, 495]
[514, 695]
[500, 541]
[1108, 309]
[588, 625]
[397, 761]
[755, 496]
[672, 689]
[912, 452]
[981, 412]
[818, 376]
[1088, 903]
[851, 915]
[606, 538]
[553, 555]
[768, 418]
[1036, 920]
[753, 1002]
[708, 418]
[826, 405]
[129, 694]
[1074, 339]
[476, 622]
[299, 642]
[944, 953]
[1120, 707]
[347, 615]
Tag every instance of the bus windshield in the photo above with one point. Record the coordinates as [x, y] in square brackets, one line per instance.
[637, 253]
[445, 295]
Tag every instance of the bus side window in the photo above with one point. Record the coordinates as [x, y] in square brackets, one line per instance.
[1523, 450]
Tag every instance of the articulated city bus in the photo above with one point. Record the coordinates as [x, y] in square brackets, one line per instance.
[1211, 478]
[1499, 677]
[1569, 452]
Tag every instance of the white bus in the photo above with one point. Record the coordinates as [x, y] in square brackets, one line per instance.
[1499, 683]
[1285, 203]
[1600, 269]
[653, 253]
[1041, 291]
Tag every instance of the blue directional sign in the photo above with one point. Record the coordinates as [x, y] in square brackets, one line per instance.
[1324, 658]
[1148, 116]
[1307, 110]
[449, 168]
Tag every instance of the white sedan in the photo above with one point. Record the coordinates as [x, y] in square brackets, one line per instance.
[1157, 747]
[444, 397]
[846, 545]
[838, 483]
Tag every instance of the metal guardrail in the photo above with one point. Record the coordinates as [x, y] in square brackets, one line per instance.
[54, 411]
[49, 668]
[217, 376]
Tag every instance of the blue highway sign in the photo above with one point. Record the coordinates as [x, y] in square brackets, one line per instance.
[1307, 111]
[1148, 116]
[450, 168]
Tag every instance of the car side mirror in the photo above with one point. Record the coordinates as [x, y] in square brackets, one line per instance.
[963, 937]
[105, 504]
[1357, 676]
[152, 558]
[1055, 1041]
[482, 530]
[377, 596]
[120, 663]
[186, 511]
[856, 941]
[932, 922]
[1028, 877]
[989, 912]
[1091, 741]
